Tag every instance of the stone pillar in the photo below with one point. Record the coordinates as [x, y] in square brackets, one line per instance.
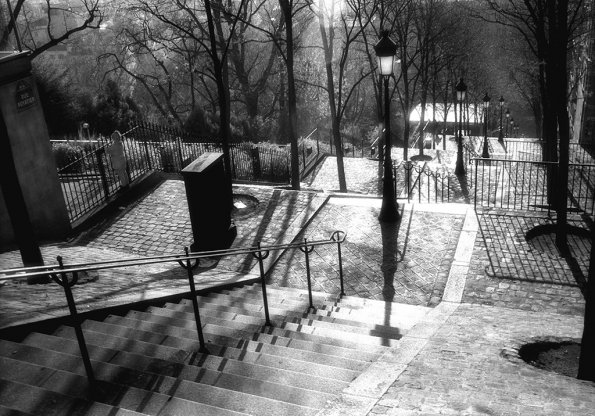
[208, 203]
[26, 147]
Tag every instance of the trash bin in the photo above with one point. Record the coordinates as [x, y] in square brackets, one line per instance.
[209, 203]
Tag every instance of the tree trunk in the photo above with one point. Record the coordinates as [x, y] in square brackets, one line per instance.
[222, 95]
[586, 365]
[330, 85]
[291, 96]
[557, 64]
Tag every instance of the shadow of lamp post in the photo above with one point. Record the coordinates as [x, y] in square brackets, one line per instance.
[500, 132]
[385, 51]
[486, 105]
[461, 89]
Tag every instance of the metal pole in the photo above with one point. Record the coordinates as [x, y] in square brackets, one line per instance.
[307, 251]
[460, 168]
[486, 152]
[336, 237]
[188, 266]
[500, 132]
[66, 285]
[389, 210]
[260, 258]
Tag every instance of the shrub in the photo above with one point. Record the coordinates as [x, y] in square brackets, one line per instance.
[65, 154]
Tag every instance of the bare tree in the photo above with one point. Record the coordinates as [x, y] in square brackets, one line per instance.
[39, 33]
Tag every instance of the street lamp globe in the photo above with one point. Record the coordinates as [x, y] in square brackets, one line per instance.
[486, 101]
[461, 88]
[385, 50]
[501, 101]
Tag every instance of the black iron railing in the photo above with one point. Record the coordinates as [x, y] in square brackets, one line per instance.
[60, 274]
[523, 185]
[419, 181]
[89, 181]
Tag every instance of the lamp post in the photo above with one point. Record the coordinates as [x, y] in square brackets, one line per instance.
[461, 89]
[486, 105]
[385, 51]
[511, 126]
[500, 132]
[507, 117]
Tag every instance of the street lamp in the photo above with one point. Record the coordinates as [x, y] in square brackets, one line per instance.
[486, 105]
[461, 89]
[511, 126]
[500, 132]
[507, 117]
[385, 51]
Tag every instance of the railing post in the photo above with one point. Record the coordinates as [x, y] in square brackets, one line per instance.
[98, 153]
[189, 267]
[260, 258]
[179, 144]
[475, 188]
[307, 250]
[66, 285]
[336, 236]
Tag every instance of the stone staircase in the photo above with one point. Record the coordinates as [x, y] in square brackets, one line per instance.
[148, 362]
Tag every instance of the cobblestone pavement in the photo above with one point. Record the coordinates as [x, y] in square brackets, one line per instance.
[507, 270]
[156, 224]
[416, 269]
[470, 366]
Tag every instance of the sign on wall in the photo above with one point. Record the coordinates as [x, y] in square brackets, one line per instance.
[24, 96]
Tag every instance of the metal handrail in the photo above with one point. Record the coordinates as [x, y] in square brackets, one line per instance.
[22, 272]
[542, 162]
[59, 274]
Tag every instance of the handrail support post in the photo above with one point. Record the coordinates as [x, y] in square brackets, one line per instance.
[260, 258]
[188, 266]
[75, 320]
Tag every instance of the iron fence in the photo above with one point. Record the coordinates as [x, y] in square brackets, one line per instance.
[523, 185]
[413, 181]
[87, 183]
[89, 180]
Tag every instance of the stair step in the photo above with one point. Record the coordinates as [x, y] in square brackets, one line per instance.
[218, 345]
[269, 335]
[209, 361]
[214, 400]
[398, 315]
[288, 342]
[32, 400]
[174, 369]
[143, 379]
[277, 315]
[354, 303]
[343, 338]
[283, 362]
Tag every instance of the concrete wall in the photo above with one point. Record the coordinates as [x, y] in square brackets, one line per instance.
[32, 154]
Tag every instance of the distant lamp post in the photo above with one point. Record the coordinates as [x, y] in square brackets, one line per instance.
[86, 128]
[511, 126]
[500, 132]
[461, 89]
[486, 105]
[507, 117]
[385, 51]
